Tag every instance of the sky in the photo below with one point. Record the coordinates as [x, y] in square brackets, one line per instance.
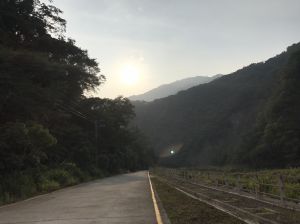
[141, 44]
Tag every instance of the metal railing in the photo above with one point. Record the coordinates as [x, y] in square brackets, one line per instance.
[277, 188]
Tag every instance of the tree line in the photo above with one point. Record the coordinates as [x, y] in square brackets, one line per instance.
[51, 134]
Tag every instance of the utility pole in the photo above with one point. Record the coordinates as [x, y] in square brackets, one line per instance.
[96, 137]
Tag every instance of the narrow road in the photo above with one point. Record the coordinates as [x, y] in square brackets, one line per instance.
[119, 199]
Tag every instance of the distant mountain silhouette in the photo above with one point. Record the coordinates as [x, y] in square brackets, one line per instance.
[172, 88]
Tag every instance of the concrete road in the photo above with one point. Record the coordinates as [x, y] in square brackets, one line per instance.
[119, 199]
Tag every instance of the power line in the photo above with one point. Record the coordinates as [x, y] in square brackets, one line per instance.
[74, 112]
[66, 108]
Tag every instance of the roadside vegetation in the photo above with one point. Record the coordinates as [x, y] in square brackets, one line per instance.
[51, 134]
[274, 183]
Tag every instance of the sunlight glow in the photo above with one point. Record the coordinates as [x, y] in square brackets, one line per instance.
[129, 74]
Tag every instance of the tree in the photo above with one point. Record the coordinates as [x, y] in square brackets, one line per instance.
[47, 124]
[275, 140]
[23, 145]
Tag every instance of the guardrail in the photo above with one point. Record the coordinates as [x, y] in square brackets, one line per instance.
[278, 188]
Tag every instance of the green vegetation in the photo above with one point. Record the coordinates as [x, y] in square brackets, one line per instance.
[266, 182]
[275, 140]
[20, 185]
[247, 119]
[51, 134]
[182, 209]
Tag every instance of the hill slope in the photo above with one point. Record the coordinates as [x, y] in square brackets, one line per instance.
[224, 122]
[173, 88]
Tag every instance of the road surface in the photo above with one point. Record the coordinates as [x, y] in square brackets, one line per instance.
[119, 199]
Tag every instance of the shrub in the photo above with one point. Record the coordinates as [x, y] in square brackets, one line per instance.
[48, 185]
[76, 172]
[61, 176]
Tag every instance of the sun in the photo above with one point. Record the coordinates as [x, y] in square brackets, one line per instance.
[129, 74]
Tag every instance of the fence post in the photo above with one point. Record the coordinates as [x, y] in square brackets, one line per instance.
[217, 181]
[257, 186]
[238, 183]
[281, 188]
[224, 180]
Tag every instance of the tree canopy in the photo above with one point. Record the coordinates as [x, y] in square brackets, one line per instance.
[49, 130]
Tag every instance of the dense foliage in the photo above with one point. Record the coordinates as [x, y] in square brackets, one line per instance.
[275, 140]
[249, 118]
[51, 135]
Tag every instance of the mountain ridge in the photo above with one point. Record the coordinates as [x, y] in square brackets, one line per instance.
[216, 123]
[172, 88]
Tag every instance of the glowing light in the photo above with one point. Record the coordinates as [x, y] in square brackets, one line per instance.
[172, 152]
[129, 75]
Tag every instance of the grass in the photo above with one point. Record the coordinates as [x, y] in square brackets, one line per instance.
[266, 181]
[182, 209]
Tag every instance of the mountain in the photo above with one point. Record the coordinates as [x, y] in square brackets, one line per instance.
[172, 88]
[249, 118]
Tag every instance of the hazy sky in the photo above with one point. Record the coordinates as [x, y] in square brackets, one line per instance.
[161, 41]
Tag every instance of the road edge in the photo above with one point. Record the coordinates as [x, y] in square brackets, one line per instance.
[155, 204]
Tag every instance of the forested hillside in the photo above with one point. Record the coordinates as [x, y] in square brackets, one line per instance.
[51, 135]
[249, 118]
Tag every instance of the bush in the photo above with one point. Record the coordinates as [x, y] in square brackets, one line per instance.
[5, 198]
[76, 172]
[16, 186]
[21, 185]
[61, 176]
[48, 185]
[98, 173]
